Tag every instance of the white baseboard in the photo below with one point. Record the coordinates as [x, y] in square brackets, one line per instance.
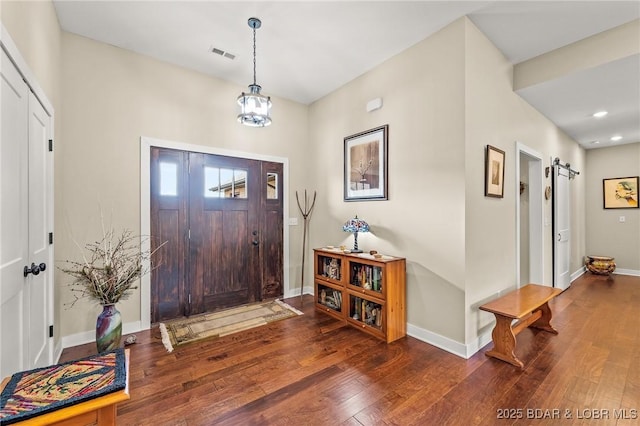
[293, 292]
[578, 273]
[90, 336]
[631, 272]
[437, 340]
[57, 352]
[619, 271]
[449, 345]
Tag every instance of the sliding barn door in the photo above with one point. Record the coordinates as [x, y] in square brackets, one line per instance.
[221, 220]
[561, 228]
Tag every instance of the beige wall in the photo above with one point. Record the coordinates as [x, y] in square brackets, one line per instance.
[423, 102]
[34, 28]
[497, 116]
[445, 99]
[112, 98]
[606, 235]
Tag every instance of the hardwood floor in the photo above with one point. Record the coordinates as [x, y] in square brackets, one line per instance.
[307, 371]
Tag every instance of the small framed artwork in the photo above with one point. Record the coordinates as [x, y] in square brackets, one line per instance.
[620, 193]
[494, 172]
[365, 165]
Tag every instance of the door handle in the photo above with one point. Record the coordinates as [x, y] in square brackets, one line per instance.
[34, 269]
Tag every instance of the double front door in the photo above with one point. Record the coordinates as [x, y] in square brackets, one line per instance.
[220, 219]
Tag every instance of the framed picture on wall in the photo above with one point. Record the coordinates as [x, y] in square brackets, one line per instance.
[620, 193]
[494, 172]
[365, 165]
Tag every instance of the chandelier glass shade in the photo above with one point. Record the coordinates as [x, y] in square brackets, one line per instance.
[254, 107]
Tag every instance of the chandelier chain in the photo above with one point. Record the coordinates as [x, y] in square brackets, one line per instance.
[254, 55]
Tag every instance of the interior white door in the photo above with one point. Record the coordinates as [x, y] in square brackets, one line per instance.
[561, 228]
[14, 216]
[25, 207]
[38, 282]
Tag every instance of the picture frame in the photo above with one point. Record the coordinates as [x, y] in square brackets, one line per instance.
[620, 193]
[494, 172]
[365, 165]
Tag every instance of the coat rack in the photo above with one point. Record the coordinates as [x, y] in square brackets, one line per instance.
[306, 212]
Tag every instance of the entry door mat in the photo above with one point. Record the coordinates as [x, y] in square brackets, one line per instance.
[222, 323]
[36, 392]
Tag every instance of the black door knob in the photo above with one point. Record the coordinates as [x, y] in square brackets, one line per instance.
[34, 269]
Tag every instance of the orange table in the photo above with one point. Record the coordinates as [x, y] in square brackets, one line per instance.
[529, 305]
[100, 410]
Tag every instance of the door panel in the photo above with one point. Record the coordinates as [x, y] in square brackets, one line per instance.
[561, 229]
[223, 217]
[25, 196]
[272, 242]
[14, 227]
[168, 225]
[37, 285]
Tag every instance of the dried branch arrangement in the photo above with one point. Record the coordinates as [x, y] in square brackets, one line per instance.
[110, 268]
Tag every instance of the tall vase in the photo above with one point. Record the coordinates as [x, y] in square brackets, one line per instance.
[108, 328]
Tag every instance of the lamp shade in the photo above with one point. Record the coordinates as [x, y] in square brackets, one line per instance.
[355, 225]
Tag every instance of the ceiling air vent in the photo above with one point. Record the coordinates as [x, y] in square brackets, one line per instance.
[223, 53]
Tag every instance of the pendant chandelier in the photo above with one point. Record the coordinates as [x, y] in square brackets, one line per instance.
[255, 108]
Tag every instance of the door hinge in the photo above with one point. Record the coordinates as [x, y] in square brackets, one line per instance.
[50, 237]
[50, 331]
[189, 299]
[189, 234]
[50, 145]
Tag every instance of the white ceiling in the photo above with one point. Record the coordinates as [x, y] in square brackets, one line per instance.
[307, 49]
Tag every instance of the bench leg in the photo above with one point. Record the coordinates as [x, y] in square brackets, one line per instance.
[504, 342]
[107, 415]
[543, 323]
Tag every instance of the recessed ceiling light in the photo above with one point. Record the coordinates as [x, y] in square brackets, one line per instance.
[595, 142]
[600, 114]
[616, 138]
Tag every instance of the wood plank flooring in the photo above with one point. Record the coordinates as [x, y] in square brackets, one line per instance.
[307, 371]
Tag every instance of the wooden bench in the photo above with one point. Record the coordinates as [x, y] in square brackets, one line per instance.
[100, 411]
[529, 305]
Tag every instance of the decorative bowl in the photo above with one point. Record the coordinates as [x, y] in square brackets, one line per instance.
[600, 265]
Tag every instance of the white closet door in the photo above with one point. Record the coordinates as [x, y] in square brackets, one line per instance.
[25, 209]
[14, 251]
[37, 286]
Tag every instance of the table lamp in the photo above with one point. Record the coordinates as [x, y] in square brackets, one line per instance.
[355, 225]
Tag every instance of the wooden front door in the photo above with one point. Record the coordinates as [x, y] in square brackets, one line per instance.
[222, 220]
